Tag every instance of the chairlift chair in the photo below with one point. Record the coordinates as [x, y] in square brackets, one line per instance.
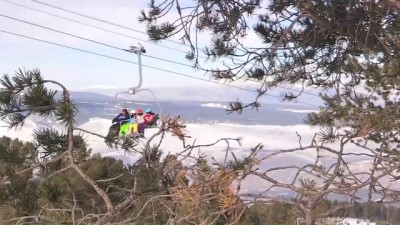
[158, 113]
[133, 90]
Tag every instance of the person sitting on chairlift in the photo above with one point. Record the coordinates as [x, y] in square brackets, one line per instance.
[148, 117]
[133, 116]
[121, 119]
[130, 128]
[140, 121]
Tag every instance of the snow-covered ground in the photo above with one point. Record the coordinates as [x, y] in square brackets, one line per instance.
[273, 138]
[214, 105]
[297, 110]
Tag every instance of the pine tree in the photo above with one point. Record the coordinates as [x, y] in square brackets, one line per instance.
[61, 154]
[55, 179]
[350, 48]
[18, 187]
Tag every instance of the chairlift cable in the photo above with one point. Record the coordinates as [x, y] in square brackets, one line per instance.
[100, 20]
[65, 46]
[100, 28]
[128, 36]
[92, 26]
[105, 21]
[90, 40]
[151, 67]
[123, 60]
[110, 23]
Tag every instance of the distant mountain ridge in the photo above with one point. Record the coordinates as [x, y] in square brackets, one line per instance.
[87, 97]
[199, 94]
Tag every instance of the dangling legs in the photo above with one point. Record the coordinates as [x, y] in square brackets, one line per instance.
[141, 129]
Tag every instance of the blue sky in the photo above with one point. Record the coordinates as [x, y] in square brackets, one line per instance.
[79, 70]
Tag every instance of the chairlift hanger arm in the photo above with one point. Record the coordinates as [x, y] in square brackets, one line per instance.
[122, 92]
[139, 51]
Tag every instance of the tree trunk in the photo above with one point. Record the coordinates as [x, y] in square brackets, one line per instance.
[310, 213]
[310, 218]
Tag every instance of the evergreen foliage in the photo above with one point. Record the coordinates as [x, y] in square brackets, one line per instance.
[350, 47]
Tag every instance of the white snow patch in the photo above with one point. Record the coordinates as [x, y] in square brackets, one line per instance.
[272, 138]
[214, 105]
[298, 110]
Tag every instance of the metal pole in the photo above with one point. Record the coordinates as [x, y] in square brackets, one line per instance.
[140, 70]
[138, 50]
